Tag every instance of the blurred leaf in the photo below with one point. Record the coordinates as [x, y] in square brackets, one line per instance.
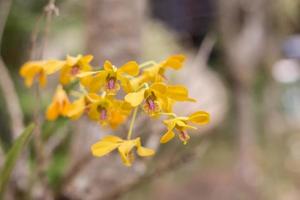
[12, 157]
[51, 128]
[57, 168]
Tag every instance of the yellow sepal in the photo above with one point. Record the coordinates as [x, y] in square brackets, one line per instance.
[135, 98]
[200, 117]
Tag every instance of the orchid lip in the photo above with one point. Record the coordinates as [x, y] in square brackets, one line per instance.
[111, 84]
[151, 104]
[86, 109]
[183, 135]
[103, 114]
[75, 70]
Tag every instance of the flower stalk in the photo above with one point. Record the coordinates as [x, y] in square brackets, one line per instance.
[132, 123]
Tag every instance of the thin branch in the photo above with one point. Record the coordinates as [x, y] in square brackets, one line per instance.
[76, 169]
[12, 101]
[171, 165]
[6, 83]
[5, 6]
[55, 141]
[49, 10]
[34, 36]
[205, 50]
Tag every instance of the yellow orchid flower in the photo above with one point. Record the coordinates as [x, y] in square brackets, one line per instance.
[111, 77]
[95, 93]
[82, 105]
[125, 147]
[181, 125]
[151, 96]
[74, 66]
[39, 69]
[158, 97]
[109, 111]
[119, 113]
[59, 105]
[136, 82]
[157, 72]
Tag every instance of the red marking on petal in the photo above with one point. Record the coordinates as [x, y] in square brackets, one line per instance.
[183, 135]
[75, 70]
[103, 114]
[151, 104]
[111, 84]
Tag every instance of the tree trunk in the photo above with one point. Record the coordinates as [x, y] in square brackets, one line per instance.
[113, 32]
[243, 30]
[114, 29]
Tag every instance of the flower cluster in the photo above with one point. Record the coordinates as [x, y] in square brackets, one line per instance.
[109, 94]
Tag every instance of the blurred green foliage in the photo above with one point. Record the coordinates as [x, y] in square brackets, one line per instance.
[16, 37]
[12, 156]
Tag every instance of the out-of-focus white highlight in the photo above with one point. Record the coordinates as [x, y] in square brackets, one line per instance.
[286, 71]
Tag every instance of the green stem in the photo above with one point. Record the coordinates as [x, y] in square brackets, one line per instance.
[132, 123]
[83, 89]
[168, 114]
[146, 64]
[145, 85]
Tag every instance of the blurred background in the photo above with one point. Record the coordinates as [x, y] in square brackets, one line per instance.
[242, 66]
